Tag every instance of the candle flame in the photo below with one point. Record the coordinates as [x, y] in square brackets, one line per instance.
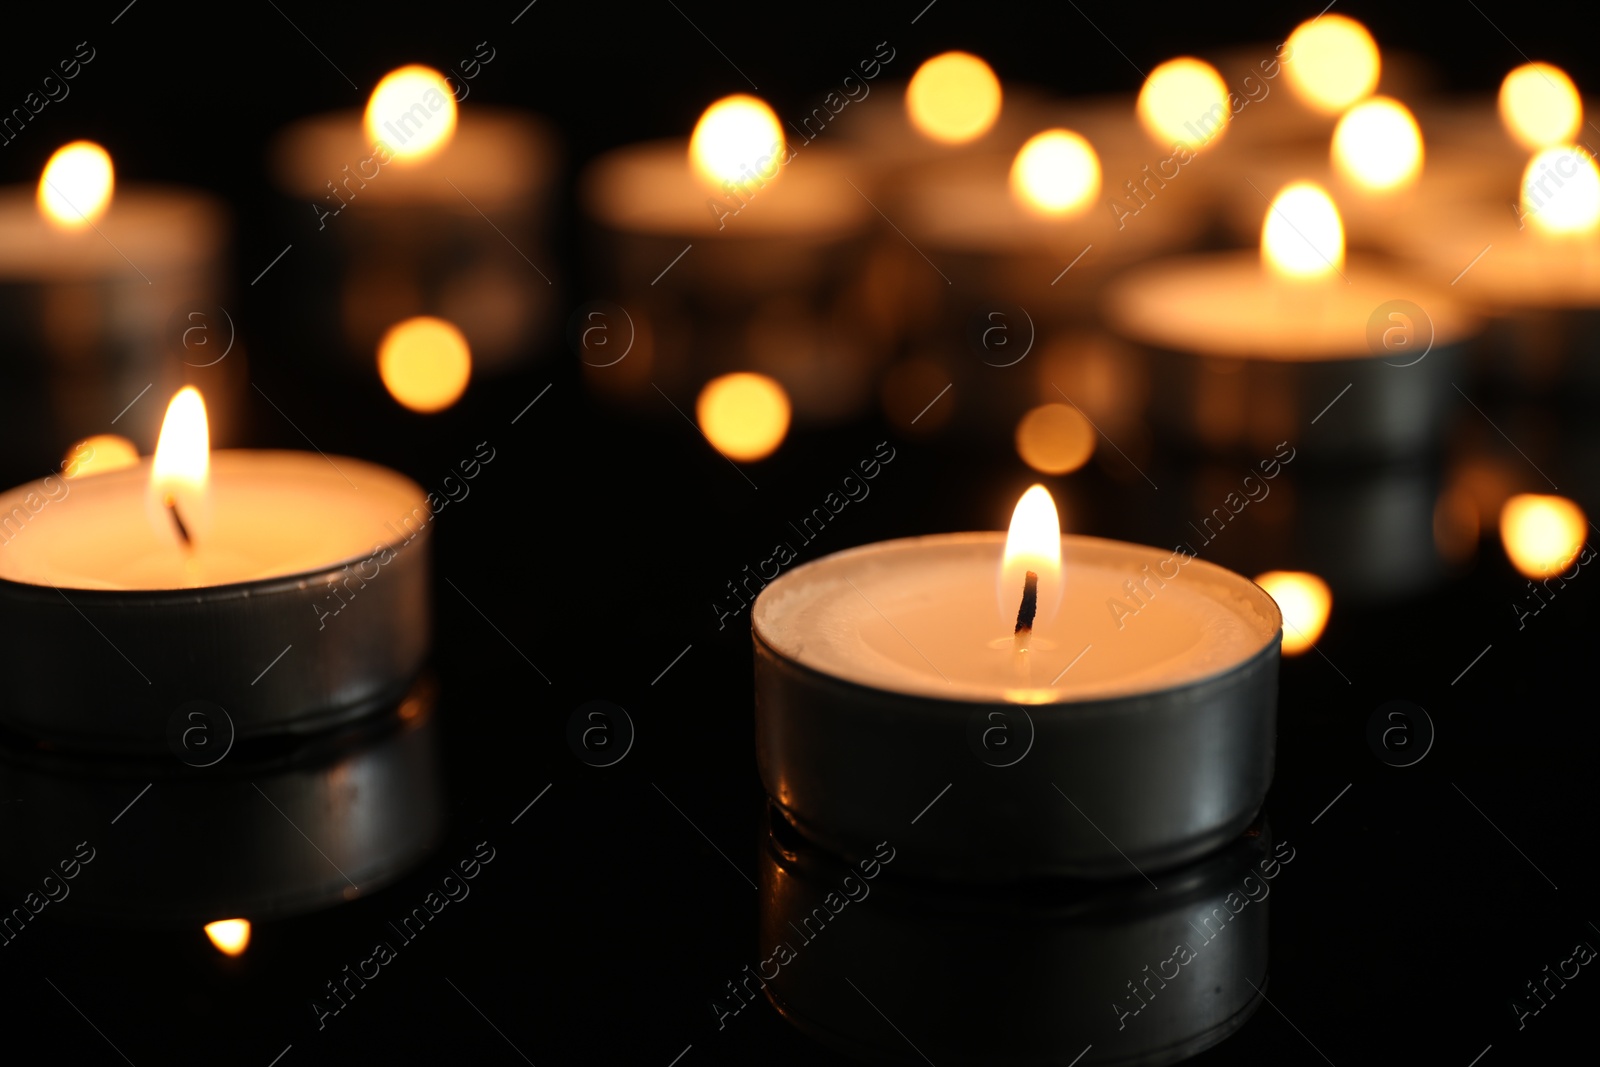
[1378, 146]
[1056, 173]
[1542, 534]
[75, 188]
[1332, 61]
[1540, 106]
[1033, 543]
[1302, 236]
[231, 936]
[953, 98]
[181, 469]
[1561, 191]
[412, 112]
[738, 139]
[1305, 601]
[1184, 101]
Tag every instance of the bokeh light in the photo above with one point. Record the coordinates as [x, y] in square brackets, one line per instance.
[953, 98]
[1332, 62]
[76, 185]
[744, 416]
[1302, 236]
[98, 454]
[1542, 534]
[1305, 601]
[1378, 146]
[425, 363]
[737, 140]
[1540, 106]
[1184, 101]
[413, 112]
[1055, 439]
[1056, 173]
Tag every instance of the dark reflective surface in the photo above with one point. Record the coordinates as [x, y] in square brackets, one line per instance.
[610, 905]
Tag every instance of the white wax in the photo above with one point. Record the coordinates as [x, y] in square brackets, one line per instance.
[273, 514]
[651, 188]
[497, 158]
[146, 229]
[918, 616]
[1226, 304]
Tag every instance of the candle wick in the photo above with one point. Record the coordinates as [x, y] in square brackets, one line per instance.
[177, 520]
[1026, 612]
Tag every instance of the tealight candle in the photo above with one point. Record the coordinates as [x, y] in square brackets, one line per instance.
[191, 576]
[1140, 683]
[99, 270]
[1255, 350]
[414, 182]
[764, 230]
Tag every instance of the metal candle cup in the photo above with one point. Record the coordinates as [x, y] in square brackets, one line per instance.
[306, 603]
[1142, 738]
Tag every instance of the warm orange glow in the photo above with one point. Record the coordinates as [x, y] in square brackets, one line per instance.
[1302, 236]
[75, 188]
[1184, 101]
[1033, 543]
[1561, 191]
[98, 454]
[181, 469]
[1542, 534]
[953, 98]
[1055, 439]
[424, 363]
[1305, 601]
[412, 112]
[1378, 146]
[737, 140]
[744, 416]
[1332, 62]
[1540, 106]
[1056, 173]
[231, 936]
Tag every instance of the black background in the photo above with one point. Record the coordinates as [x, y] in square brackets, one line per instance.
[595, 543]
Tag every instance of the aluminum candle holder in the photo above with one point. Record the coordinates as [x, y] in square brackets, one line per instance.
[1154, 752]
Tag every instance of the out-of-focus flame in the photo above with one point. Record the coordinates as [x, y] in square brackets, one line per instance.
[1561, 191]
[953, 98]
[1378, 146]
[425, 363]
[98, 454]
[1305, 601]
[231, 936]
[744, 416]
[1056, 173]
[1033, 543]
[1184, 101]
[76, 186]
[1302, 236]
[737, 140]
[1542, 534]
[1055, 439]
[1332, 62]
[413, 112]
[1540, 106]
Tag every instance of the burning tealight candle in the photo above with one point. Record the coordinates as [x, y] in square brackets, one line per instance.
[1140, 682]
[424, 176]
[100, 268]
[190, 577]
[1255, 347]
